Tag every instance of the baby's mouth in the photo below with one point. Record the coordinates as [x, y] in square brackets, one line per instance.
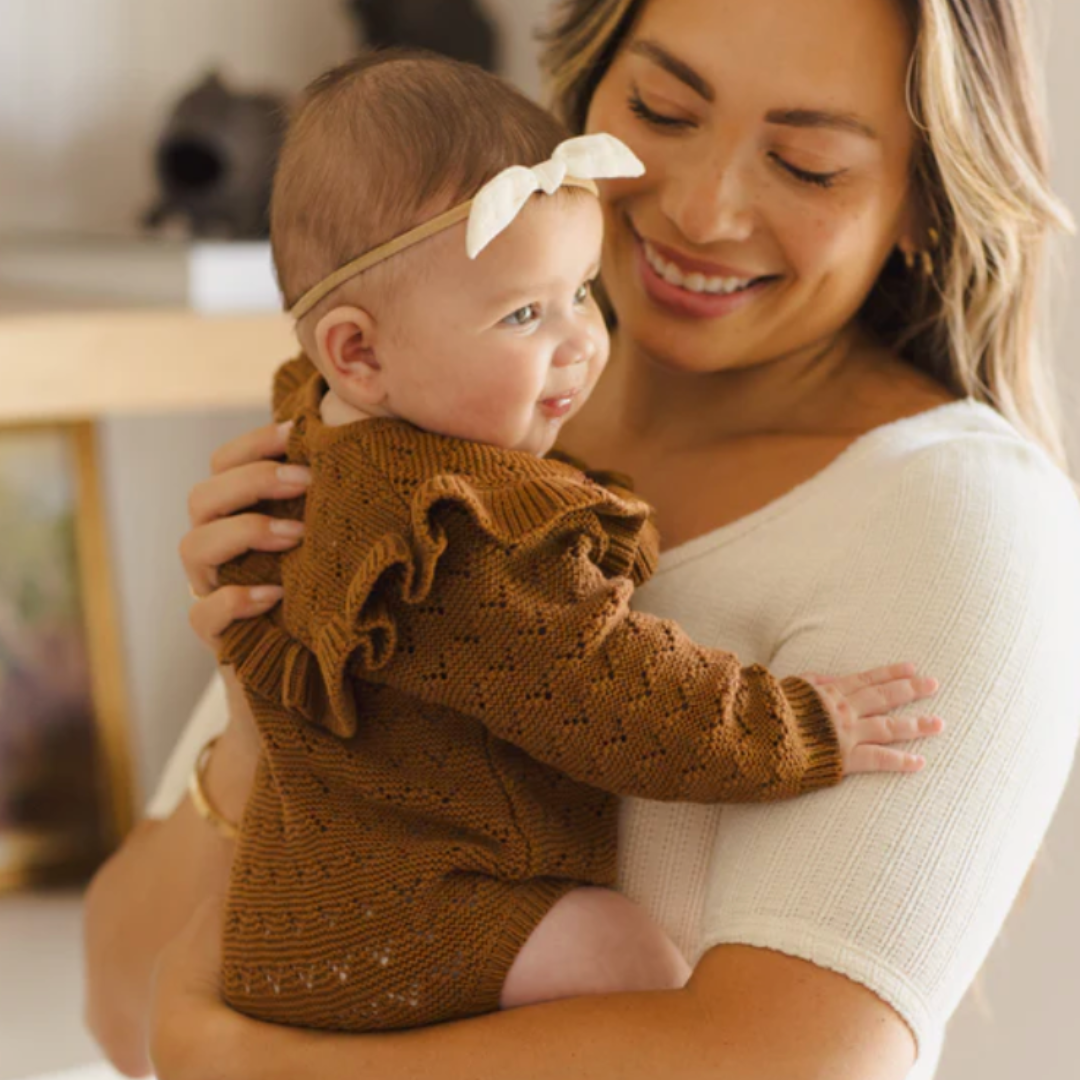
[559, 405]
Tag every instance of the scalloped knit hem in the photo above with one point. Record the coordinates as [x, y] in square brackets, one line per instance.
[523, 914]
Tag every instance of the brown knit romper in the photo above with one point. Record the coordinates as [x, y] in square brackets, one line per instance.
[450, 697]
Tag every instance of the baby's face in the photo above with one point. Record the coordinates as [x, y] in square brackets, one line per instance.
[505, 348]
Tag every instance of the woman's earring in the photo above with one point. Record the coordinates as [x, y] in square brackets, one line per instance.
[909, 260]
[935, 243]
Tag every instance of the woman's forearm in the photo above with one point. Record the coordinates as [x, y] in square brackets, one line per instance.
[747, 1014]
[639, 1036]
[142, 898]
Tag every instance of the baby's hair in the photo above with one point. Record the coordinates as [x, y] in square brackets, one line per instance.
[387, 141]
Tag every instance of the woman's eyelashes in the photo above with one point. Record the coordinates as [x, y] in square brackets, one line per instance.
[805, 176]
[675, 123]
[655, 119]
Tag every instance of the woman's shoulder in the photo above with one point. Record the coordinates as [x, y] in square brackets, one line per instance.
[961, 512]
[963, 458]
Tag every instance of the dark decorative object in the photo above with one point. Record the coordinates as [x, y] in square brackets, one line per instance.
[455, 28]
[215, 162]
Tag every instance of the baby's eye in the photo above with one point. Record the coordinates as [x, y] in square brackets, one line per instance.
[583, 294]
[523, 316]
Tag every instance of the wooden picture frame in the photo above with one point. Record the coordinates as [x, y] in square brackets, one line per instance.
[66, 780]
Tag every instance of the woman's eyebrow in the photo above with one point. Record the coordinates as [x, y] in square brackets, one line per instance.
[682, 71]
[800, 118]
[818, 118]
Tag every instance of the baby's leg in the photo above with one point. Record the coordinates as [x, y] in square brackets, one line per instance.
[593, 941]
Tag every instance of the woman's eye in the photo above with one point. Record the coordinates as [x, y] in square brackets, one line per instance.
[641, 110]
[523, 316]
[583, 294]
[822, 180]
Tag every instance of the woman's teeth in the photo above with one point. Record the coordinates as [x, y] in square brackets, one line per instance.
[695, 282]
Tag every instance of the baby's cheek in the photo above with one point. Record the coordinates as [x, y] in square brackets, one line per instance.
[485, 409]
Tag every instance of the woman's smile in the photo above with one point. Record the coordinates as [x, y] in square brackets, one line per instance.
[689, 291]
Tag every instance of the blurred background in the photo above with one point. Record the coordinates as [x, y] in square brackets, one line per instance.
[138, 330]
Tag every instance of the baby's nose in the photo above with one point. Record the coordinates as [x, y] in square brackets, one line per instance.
[575, 350]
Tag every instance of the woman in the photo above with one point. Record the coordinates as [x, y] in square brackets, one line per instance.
[825, 377]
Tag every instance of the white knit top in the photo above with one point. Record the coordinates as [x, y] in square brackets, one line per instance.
[944, 539]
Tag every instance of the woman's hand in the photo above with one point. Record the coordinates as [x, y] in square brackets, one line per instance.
[192, 1032]
[244, 472]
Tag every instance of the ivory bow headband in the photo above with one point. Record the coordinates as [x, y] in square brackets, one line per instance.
[575, 163]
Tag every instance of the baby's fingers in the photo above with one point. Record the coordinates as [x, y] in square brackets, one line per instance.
[891, 729]
[885, 697]
[868, 758]
[848, 684]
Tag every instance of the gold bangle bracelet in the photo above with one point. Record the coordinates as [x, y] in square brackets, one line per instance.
[201, 801]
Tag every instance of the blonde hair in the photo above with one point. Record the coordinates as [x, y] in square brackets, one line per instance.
[980, 176]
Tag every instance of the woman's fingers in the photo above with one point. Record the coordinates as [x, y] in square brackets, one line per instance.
[243, 486]
[268, 441]
[186, 995]
[204, 549]
[210, 616]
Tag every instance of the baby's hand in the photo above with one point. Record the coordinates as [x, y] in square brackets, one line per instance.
[859, 707]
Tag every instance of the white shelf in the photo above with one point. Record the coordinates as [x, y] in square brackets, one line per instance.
[95, 326]
[88, 271]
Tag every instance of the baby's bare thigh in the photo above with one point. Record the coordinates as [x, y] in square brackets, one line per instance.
[593, 941]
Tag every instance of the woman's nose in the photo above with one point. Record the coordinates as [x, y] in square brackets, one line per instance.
[709, 204]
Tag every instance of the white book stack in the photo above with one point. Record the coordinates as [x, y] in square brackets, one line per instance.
[41, 273]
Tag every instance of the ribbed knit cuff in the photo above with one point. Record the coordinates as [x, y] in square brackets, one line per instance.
[820, 745]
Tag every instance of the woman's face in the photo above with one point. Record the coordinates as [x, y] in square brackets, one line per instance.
[777, 146]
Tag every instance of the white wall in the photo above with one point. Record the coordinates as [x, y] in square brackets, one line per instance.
[84, 85]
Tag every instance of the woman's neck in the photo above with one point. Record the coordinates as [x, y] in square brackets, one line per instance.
[803, 393]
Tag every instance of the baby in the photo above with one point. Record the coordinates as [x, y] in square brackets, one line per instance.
[454, 689]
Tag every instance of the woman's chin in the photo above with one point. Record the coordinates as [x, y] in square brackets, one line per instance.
[681, 349]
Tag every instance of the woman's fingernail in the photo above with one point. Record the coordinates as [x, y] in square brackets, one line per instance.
[284, 429]
[285, 527]
[265, 594]
[293, 474]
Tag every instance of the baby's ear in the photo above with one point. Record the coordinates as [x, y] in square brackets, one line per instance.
[345, 340]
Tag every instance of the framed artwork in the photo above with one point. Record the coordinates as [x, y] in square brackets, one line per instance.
[66, 791]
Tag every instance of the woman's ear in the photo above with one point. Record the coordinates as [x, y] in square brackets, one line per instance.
[345, 339]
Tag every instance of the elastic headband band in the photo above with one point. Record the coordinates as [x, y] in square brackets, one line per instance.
[400, 243]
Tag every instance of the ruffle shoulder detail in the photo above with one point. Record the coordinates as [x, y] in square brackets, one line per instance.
[310, 668]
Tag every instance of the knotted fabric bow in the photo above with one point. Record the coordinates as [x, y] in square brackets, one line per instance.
[499, 201]
[575, 163]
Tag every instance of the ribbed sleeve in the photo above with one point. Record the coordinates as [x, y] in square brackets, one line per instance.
[959, 551]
